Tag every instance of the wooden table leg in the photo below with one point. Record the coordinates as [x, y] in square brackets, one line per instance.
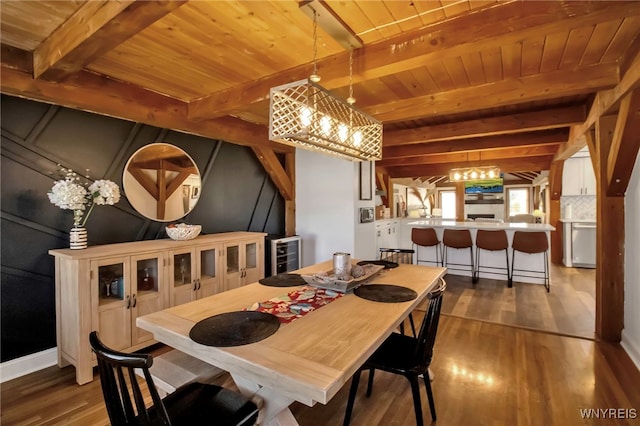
[275, 407]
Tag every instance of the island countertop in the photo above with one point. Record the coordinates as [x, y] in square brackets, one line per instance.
[507, 226]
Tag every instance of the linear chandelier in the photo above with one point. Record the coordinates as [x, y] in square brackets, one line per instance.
[303, 114]
[474, 173]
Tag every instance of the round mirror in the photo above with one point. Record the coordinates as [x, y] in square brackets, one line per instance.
[162, 182]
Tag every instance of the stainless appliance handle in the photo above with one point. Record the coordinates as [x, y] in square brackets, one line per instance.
[583, 226]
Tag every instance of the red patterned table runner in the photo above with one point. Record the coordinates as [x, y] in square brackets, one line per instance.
[297, 303]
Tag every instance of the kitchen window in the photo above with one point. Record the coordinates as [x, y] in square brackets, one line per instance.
[448, 204]
[518, 200]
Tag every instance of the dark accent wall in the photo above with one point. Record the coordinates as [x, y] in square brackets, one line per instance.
[236, 195]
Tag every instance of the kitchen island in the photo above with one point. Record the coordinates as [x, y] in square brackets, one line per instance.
[488, 258]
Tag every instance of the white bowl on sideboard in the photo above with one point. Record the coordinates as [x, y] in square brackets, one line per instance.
[182, 231]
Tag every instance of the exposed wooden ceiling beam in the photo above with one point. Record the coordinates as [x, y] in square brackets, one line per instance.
[576, 142]
[494, 26]
[625, 145]
[95, 28]
[604, 102]
[514, 123]
[90, 92]
[482, 143]
[505, 92]
[466, 156]
[274, 169]
[530, 175]
[16, 59]
[88, 19]
[437, 179]
[522, 175]
[507, 165]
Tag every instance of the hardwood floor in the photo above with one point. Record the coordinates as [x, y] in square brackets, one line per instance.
[486, 373]
[568, 309]
[489, 374]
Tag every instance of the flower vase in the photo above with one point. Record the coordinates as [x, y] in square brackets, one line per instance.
[78, 238]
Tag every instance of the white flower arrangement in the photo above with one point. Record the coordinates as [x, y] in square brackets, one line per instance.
[70, 194]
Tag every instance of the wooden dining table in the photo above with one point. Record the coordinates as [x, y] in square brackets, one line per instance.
[307, 360]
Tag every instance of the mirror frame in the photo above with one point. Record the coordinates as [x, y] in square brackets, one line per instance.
[162, 182]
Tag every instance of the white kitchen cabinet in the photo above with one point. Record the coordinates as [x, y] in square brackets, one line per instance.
[387, 232]
[105, 288]
[578, 177]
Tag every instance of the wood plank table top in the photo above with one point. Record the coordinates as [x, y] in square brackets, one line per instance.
[309, 359]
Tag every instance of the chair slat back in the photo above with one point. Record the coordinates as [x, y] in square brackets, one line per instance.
[429, 327]
[119, 383]
[397, 255]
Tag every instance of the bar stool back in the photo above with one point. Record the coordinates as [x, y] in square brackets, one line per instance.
[426, 237]
[531, 243]
[494, 240]
[457, 239]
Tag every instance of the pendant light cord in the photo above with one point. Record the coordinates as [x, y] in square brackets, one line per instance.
[315, 77]
[351, 100]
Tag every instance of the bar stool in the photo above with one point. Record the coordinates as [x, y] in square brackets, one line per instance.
[426, 237]
[457, 239]
[492, 241]
[531, 243]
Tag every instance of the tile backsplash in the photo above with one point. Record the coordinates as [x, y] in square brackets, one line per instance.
[578, 207]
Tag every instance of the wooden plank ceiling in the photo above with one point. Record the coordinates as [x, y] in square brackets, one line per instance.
[455, 83]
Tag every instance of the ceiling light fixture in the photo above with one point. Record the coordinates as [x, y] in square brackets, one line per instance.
[474, 173]
[305, 115]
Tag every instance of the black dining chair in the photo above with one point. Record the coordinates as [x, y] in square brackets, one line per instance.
[400, 255]
[407, 356]
[192, 404]
[396, 255]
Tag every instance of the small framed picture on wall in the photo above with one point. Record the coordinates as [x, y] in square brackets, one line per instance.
[195, 192]
[366, 192]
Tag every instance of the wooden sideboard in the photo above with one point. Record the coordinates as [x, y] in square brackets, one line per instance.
[105, 288]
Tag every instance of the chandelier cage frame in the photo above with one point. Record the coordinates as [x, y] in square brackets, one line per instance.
[304, 114]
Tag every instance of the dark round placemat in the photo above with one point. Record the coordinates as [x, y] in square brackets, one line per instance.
[234, 328]
[386, 263]
[283, 280]
[387, 293]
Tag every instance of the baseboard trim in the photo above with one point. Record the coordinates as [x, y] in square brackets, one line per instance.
[633, 351]
[28, 364]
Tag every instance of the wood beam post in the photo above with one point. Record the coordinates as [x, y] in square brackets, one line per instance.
[609, 242]
[555, 191]
[460, 201]
[290, 205]
[625, 145]
[389, 186]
